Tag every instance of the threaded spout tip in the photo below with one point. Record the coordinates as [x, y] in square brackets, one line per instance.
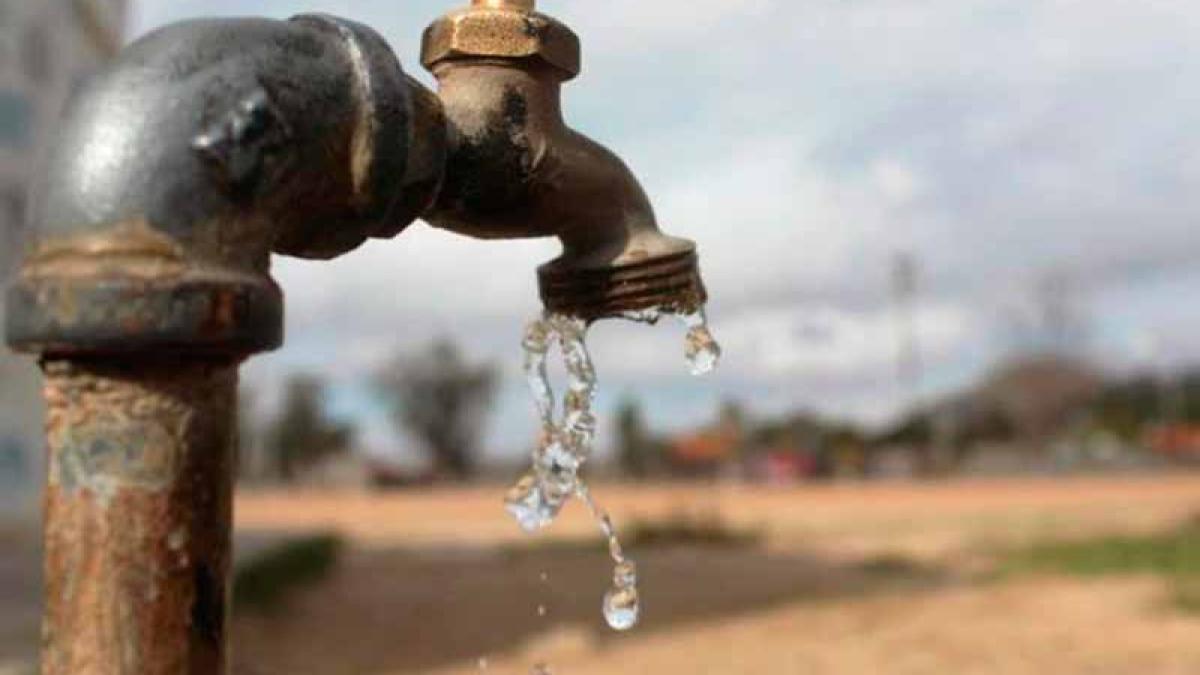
[669, 283]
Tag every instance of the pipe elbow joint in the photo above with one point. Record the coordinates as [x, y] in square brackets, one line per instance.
[204, 148]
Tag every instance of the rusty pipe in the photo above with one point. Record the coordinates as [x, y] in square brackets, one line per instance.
[204, 148]
[137, 509]
[516, 169]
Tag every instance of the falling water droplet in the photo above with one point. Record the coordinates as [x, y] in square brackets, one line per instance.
[544, 577]
[702, 351]
[483, 664]
[565, 446]
[625, 575]
[527, 502]
[621, 608]
[537, 345]
[647, 316]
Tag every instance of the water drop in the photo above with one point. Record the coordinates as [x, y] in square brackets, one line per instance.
[541, 610]
[621, 608]
[544, 577]
[566, 443]
[648, 316]
[701, 349]
[537, 345]
[555, 457]
[483, 664]
[532, 505]
[625, 575]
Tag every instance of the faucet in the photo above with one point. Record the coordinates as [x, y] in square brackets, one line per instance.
[204, 148]
[515, 169]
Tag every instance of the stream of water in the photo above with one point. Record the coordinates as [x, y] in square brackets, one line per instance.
[566, 441]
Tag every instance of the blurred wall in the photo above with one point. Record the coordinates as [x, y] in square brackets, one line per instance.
[47, 47]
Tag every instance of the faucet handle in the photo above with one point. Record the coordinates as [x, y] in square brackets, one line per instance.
[522, 5]
[502, 29]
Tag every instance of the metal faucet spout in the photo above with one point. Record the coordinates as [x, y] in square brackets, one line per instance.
[516, 169]
[204, 149]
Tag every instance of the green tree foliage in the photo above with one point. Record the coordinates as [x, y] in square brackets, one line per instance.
[444, 401]
[303, 435]
[1127, 408]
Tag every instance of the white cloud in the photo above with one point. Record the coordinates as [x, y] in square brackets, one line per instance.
[803, 145]
[897, 182]
[827, 341]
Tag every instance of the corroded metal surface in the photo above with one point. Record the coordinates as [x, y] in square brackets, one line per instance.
[208, 146]
[203, 149]
[670, 283]
[502, 29]
[138, 517]
[517, 170]
[197, 313]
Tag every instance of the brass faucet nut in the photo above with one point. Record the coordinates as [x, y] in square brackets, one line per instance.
[487, 32]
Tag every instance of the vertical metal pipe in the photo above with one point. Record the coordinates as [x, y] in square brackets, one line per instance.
[180, 168]
[138, 515]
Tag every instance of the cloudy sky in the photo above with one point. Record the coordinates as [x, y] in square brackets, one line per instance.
[804, 145]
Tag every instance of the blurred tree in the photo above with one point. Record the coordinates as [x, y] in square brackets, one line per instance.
[302, 435]
[1126, 408]
[1041, 395]
[733, 419]
[444, 401]
[634, 445]
[1051, 320]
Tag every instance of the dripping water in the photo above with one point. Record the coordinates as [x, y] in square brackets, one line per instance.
[565, 446]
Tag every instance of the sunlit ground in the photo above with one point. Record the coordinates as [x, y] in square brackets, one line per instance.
[875, 579]
[963, 577]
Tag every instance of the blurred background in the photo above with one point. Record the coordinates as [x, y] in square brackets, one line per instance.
[951, 248]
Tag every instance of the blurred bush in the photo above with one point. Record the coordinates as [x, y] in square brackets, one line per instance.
[264, 581]
[1174, 556]
[1185, 593]
[687, 529]
[1174, 553]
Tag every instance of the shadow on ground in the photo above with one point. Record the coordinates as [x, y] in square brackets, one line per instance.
[413, 610]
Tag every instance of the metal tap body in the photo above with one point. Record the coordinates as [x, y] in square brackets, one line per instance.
[203, 149]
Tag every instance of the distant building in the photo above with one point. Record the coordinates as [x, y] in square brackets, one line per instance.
[701, 454]
[781, 465]
[1178, 443]
[46, 48]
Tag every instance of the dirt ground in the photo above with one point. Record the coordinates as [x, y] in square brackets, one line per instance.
[854, 579]
[849, 579]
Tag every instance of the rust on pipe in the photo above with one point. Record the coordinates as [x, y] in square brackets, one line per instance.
[146, 281]
[146, 278]
[516, 169]
[138, 515]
